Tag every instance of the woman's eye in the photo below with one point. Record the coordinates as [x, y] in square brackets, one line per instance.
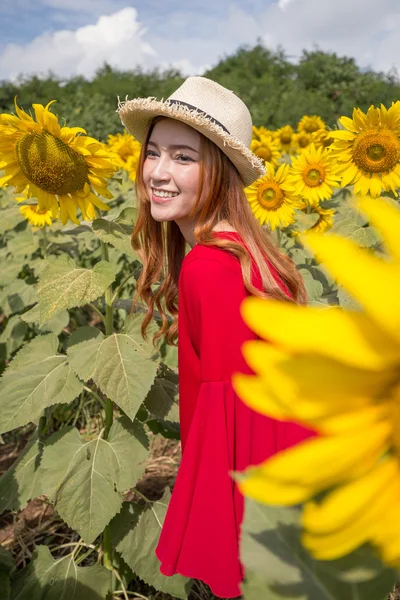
[148, 151]
[184, 157]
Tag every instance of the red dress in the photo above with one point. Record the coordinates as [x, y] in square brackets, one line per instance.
[201, 532]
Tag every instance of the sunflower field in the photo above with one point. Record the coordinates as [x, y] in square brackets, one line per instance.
[85, 401]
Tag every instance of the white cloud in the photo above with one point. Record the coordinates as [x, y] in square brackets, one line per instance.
[350, 28]
[192, 40]
[117, 39]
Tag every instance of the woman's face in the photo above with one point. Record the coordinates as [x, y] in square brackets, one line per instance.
[172, 164]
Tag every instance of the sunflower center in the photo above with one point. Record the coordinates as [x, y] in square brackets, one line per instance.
[311, 126]
[286, 138]
[303, 141]
[270, 195]
[264, 152]
[376, 151]
[50, 164]
[314, 175]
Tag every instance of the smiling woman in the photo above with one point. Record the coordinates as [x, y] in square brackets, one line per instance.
[194, 164]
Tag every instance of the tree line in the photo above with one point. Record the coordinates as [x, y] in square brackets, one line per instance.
[276, 90]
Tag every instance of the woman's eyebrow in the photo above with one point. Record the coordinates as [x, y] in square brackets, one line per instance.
[174, 146]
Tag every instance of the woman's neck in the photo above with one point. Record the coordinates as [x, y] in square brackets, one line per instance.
[187, 229]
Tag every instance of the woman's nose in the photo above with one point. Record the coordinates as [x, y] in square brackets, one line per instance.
[161, 168]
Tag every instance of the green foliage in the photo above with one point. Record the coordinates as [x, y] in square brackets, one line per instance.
[135, 532]
[46, 577]
[278, 566]
[85, 478]
[38, 377]
[276, 90]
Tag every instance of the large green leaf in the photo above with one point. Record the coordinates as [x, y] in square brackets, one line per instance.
[37, 377]
[135, 533]
[313, 286]
[86, 479]
[16, 296]
[117, 232]
[46, 578]
[6, 565]
[119, 364]
[20, 483]
[55, 324]
[277, 566]
[65, 285]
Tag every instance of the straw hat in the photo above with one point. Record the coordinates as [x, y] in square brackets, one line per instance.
[208, 107]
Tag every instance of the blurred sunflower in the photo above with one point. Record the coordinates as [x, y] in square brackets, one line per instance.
[124, 146]
[313, 175]
[338, 372]
[57, 165]
[368, 150]
[38, 217]
[286, 138]
[303, 140]
[271, 199]
[260, 131]
[322, 137]
[267, 148]
[309, 124]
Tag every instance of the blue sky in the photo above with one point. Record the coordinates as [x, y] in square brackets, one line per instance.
[76, 36]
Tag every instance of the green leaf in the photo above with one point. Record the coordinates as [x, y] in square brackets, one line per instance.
[24, 244]
[117, 232]
[46, 578]
[119, 364]
[304, 221]
[313, 286]
[135, 533]
[6, 566]
[161, 400]
[12, 337]
[65, 285]
[20, 483]
[10, 217]
[37, 377]
[346, 301]
[277, 566]
[55, 324]
[10, 269]
[16, 296]
[85, 479]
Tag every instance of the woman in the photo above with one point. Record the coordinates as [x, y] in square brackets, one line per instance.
[194, 165]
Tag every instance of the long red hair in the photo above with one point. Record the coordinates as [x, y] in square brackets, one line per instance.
[162, 246]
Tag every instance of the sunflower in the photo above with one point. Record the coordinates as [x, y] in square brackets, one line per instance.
[314, 174]
[286, 138]
[338, 372]
[38, 217]
[132, 165]
[123, 146]
[271, 199]
[267, 148]
[57, 165]
[303, 140]
[309, 124]
[368, 150]
[322, 137]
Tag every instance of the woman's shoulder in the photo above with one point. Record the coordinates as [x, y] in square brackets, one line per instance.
[209, 258]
